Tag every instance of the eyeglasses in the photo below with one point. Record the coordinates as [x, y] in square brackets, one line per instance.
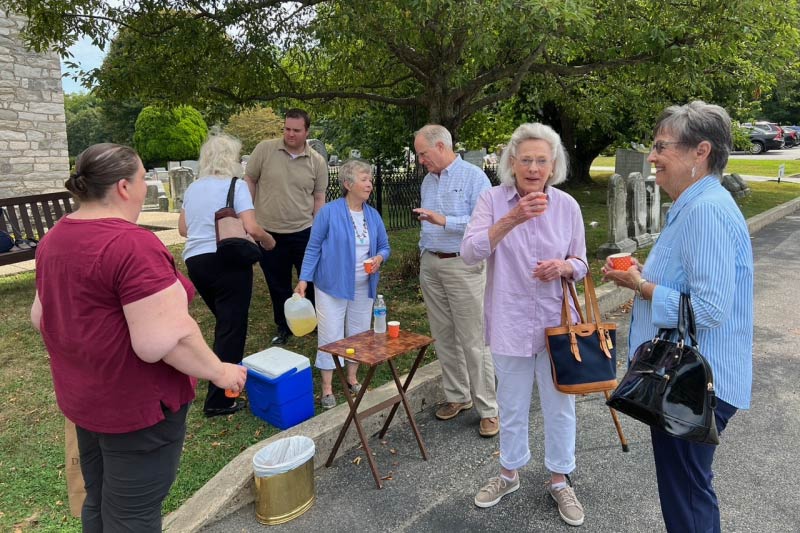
[541, 163]
[659, 146]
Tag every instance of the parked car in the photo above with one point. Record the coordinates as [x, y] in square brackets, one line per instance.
[791, 136]
[769, 126]
[762, 141]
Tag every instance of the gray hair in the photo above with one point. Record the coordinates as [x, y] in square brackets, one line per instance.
[696, 122]
[533, 132]
[433, 133]
[219, 156]
[350, 169]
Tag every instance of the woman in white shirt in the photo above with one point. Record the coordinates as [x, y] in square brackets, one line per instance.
[224, 287]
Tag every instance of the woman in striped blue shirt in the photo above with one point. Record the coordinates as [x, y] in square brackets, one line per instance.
[704, 250]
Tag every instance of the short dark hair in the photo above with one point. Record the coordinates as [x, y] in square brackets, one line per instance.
[99, 167]
[296, 112]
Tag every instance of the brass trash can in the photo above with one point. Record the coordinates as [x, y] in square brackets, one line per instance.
[286, 495]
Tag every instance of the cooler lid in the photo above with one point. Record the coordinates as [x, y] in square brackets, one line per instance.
[275, 362]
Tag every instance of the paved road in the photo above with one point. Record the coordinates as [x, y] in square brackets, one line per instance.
[785, 153]
[756, 465]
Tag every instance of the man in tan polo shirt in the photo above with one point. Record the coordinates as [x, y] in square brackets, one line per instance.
[287, 180]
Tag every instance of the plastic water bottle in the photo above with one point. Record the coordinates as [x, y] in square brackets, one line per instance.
[379, 314]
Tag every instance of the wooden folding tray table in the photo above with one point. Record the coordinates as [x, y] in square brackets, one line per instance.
[374, 349]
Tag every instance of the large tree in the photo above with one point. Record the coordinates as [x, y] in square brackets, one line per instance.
[444, 59]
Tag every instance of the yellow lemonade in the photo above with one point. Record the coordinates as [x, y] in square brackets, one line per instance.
[302, 326]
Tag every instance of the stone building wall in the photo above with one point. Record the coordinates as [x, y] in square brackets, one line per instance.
[33, 131]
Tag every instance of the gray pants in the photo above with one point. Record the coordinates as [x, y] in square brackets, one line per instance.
[128, 475]
[453, 293]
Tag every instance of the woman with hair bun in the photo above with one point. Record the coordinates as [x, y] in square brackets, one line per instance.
[112, 310]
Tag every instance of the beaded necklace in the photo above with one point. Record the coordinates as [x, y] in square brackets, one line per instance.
[361, 238]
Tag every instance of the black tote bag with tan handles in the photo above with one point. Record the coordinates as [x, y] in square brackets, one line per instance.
[669, 384]
[583, 356]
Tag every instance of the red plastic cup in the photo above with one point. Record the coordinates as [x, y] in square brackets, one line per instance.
[622, 261]
[369, 264]
[393, 328]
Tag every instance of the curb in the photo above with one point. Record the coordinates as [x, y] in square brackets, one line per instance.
[766, 218]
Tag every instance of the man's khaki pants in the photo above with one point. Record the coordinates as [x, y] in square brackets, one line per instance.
[453, 293]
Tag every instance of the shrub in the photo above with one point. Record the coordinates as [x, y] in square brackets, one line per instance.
[169, 134]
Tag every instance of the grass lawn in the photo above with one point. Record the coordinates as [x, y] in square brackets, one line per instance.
[32, 488]
[748, 167]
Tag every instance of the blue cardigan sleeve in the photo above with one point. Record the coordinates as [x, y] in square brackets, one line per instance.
[314, 247]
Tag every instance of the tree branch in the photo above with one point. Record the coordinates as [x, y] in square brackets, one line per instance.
[322, 95]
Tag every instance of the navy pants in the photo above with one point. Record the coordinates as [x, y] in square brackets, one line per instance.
[277, 265]
[226, 290]
[683, 469]
[128, 475]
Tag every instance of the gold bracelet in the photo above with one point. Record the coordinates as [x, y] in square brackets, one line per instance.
[639, 286]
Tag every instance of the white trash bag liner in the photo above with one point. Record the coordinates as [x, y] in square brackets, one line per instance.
[282, 456]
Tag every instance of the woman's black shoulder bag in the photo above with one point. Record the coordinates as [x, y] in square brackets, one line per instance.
[669, 385]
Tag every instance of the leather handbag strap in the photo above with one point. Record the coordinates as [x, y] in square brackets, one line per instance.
[686, 323]
[590, 297]
[231, 191]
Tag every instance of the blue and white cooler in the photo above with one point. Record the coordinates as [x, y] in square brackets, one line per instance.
[279, 387]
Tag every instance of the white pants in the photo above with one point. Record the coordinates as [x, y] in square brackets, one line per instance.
[515, 377]
[338, 318]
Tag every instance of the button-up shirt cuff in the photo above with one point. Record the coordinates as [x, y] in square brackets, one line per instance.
[665, 304]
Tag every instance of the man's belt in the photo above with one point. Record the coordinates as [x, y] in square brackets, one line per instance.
[445, 255]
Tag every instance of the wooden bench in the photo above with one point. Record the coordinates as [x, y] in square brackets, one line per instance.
[32, 216]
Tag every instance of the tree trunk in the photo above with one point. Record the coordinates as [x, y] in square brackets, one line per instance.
[582, 146]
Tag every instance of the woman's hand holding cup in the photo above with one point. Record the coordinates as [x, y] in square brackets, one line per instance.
[232, 377]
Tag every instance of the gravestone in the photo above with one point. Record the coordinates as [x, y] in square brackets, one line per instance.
[618, 240]
[630, 161]
[179, 180]
[664, 209]
[653, 192]
[319, 146]
[637, 210]
[474, 156]
[194, 165]
[735, 185]
[156, 196]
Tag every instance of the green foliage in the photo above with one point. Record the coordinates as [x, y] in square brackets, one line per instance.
[741, 137]
[169, 134]
[86, 123]
[379, 132]
[599, 70]
[252, 126]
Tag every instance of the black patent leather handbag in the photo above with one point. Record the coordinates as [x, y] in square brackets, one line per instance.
[669, 384]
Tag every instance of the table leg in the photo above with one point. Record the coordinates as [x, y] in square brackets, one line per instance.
[407, 407]
[410, 376]
[352, 417]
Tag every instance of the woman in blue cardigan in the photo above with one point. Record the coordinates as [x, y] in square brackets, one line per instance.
[346, 232]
